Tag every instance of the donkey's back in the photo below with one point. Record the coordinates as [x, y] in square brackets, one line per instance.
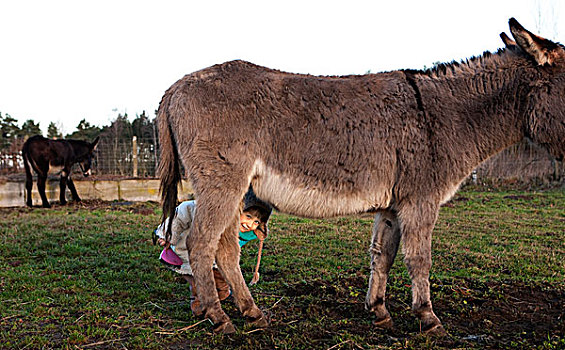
[312, 146]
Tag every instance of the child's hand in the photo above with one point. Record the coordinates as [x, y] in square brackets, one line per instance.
[255, 278]
[161, 242]
[260, 235]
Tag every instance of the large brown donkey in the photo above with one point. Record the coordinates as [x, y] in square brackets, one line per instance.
[399, 142]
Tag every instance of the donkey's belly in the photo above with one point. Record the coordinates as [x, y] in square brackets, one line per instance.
[293, 196]
[55, 169]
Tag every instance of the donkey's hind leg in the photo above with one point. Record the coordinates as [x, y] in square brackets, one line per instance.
[384, 246]
[29, 186]
[227, 257]
[41, 179]
[218, 201]
[202, 247]
[417, 222]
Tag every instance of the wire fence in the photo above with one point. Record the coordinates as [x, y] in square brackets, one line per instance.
[137, 158]
[523, 162]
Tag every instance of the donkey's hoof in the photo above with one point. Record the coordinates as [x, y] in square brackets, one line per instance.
[259, 322]
[224, 328]
[435, 330]
[385, 323]
[196, 309]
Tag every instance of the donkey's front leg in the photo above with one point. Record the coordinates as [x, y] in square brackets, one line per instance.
[227, 257]
[384, 245]
[417, 222]
[73, 189]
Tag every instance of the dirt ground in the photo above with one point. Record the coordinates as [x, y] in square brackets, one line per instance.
[518, 314]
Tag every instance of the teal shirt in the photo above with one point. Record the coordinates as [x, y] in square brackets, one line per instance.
[245, 237]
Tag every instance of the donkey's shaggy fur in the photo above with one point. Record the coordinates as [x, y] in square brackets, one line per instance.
[399, 142]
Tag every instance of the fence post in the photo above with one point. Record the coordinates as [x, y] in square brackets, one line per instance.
[134, 155]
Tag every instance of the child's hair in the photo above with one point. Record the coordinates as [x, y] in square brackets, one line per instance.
[258, 208]
[258, 212]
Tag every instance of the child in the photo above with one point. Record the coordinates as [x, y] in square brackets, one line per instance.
[252, 225]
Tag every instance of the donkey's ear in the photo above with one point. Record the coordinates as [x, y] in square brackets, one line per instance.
[542, 50]
[507, 41]
[95, 143]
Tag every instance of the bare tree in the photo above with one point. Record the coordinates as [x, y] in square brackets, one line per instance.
[547, 17]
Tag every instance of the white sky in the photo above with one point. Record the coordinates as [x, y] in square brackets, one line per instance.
[63, 61]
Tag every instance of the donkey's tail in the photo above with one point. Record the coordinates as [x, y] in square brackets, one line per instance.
[25, 156]
[169, 166]
[29, 175]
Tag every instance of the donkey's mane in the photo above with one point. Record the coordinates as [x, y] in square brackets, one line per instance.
[470, 65]
[473, 64]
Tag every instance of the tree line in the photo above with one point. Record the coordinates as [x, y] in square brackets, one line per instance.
[120, 129]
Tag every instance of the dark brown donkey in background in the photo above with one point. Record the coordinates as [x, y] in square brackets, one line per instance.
[399, 142]
[51, 156]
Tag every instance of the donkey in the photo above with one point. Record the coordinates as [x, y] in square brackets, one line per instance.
[399, 142]
[45, 156]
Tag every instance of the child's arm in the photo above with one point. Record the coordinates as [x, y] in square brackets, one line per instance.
[260, 235]
[255, 278]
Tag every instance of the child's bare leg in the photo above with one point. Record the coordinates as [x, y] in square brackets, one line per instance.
[189, 279]
[227, 258]
[222, 286]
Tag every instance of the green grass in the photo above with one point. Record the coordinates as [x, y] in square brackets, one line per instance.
[86, 276]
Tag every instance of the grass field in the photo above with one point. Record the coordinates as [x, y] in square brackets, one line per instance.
[85, 276]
